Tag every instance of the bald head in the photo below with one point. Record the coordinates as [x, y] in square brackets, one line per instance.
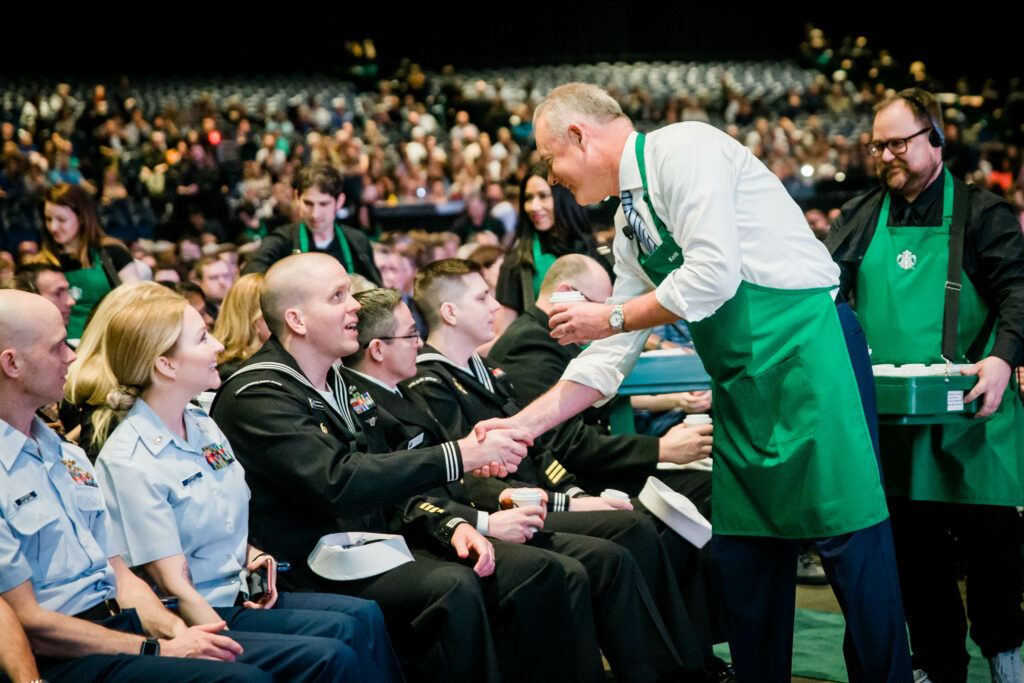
[575, 272]
[34, 358]
[291, 281]
[23, 317]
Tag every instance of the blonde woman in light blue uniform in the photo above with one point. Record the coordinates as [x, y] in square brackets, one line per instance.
[179, 502]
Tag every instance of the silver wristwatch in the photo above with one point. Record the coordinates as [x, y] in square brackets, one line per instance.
[616, 320]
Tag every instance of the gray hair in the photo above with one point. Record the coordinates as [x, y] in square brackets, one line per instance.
[574, 100]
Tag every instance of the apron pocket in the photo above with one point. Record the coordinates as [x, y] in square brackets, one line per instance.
[771, 405]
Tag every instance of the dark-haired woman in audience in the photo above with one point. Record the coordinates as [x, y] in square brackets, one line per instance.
[179, 502]
[240, 325]
[551, 224]
[74, 241]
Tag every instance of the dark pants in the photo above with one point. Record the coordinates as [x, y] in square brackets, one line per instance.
[436, 615]
[514, 625]
[990, 545]
[356, 623]
[759, 587]
[266, 657]
[644, 638]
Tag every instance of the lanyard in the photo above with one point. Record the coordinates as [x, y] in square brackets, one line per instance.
[346, 253]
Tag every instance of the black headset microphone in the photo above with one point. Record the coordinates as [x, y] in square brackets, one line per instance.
[936, 137]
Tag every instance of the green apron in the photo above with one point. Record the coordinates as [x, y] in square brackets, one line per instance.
[900, 294]
[793, 455]
[346, 252]
[541, 264]
[87, 286]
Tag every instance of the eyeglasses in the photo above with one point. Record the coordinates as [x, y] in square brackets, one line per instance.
[895, 145]
[414, 335]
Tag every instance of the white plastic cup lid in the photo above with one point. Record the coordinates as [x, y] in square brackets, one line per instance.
[525, 498]
[563, 297]
[697, 419]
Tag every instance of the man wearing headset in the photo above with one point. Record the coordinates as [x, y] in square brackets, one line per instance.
[894, 246]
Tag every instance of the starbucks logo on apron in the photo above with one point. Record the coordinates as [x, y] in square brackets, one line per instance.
[906, 259]
[75, 292]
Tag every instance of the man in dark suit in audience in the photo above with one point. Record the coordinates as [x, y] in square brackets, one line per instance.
[321, 196]
[292, 420]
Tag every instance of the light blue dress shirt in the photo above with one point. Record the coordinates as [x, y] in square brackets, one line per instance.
[168, 496]
[54, 527]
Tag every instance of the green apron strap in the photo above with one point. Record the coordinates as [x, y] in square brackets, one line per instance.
[668, 256]
[346, 251]
[541, 264]
[658, 223]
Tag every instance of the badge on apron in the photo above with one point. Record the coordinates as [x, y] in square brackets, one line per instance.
[78, 474]
[906, 260]
[217, 456]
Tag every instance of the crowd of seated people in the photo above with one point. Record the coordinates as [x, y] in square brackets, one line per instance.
[215, 163]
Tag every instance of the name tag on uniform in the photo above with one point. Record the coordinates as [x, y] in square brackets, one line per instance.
[217, 456]
[193, 479]
[30, 496]
[416, 440]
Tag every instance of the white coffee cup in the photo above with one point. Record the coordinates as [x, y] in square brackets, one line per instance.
[697, 419]
[614, 494]
[568, 296]
[526, 497]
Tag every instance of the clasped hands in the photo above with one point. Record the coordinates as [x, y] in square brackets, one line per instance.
[494, 451]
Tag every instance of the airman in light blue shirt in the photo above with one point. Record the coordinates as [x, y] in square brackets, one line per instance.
[168, 496]
[54, 527]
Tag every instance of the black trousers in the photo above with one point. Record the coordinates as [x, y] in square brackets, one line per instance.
[990, 543]
[643, 639]
[759, 582]
[455, 626]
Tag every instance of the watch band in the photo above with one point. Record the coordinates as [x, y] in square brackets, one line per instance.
[616, 320]
[150, 646]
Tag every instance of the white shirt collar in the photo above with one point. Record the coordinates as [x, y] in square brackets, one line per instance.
[629, 169]
[393, 390]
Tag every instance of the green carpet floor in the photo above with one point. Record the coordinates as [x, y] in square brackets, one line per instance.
[818, 649]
